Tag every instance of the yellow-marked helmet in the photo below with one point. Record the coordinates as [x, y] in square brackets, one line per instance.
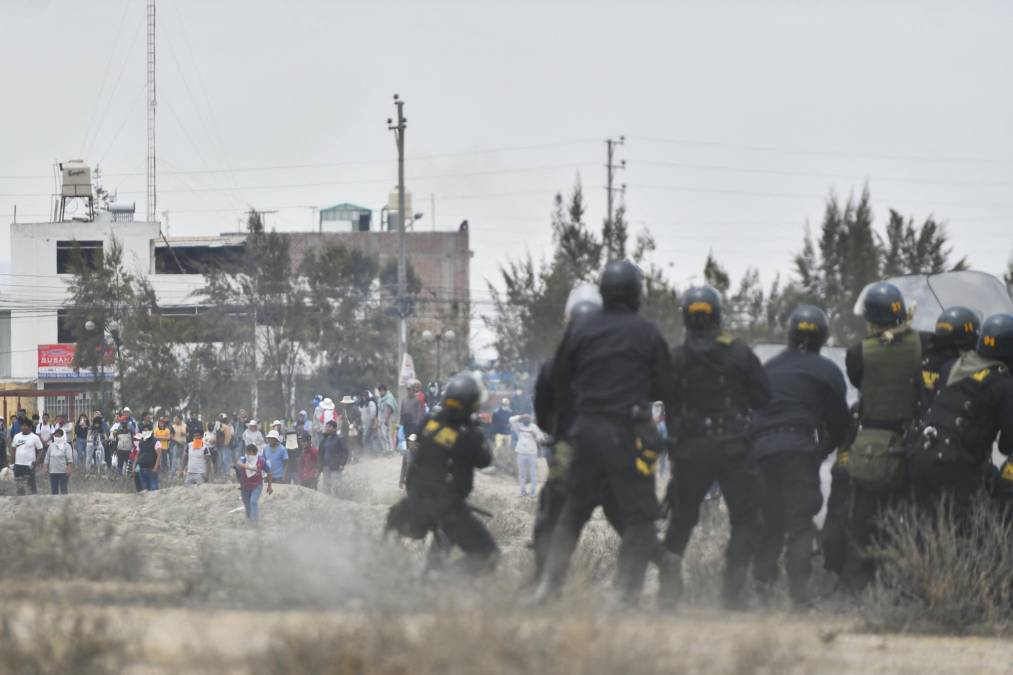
[808, 328]
[957, 327]
[701, 309]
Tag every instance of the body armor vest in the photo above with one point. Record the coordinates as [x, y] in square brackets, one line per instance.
[433, 464]
[889, 372]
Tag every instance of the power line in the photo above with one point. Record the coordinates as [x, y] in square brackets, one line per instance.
[356, 162]
[820, 152]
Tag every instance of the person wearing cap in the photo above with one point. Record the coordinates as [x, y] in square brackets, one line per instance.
[276, 456]
[149, 458]
[302, 423]
[412, 410]
[253, 436]
[122, 434]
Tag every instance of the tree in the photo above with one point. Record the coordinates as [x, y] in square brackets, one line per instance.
[151, 374]
[270, 306]
[102, 294]
[910, 249]
[103, 197]
[353, 332]
[715, 275]
[527, 313]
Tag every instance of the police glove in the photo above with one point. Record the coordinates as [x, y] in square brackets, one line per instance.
[646, 460]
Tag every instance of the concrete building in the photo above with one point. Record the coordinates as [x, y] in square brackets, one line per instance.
[37, 343]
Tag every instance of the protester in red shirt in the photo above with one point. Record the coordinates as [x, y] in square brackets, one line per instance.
[251, 469]
[308, 463]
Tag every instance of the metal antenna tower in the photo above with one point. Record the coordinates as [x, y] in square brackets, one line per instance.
[152, 200]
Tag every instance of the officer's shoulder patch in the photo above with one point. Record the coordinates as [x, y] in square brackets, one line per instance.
[981, 375]
[725, 339]
[446, 437]
[432, 426]
[929, 379]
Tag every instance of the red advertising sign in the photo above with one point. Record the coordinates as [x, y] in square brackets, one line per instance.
[56, 362]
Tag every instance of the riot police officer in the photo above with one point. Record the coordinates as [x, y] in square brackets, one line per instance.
[608, 369]
[952, 455]
[886, 368]
[583, 300]
[956, 332]
[451, 446]
[806, 419]
[717, 382]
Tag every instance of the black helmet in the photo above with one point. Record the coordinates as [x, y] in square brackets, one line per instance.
[584, 299]
[701, 309]
[996, 341]
[957, 327]
[808, 328]
[461, 398]
[884, 305]
[620, 285]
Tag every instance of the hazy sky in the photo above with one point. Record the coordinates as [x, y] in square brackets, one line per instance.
[740, 117]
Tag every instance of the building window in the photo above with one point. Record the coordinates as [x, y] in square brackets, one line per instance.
[65, 332]
[90, 252]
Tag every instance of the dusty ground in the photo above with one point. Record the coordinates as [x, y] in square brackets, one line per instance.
[181, 577]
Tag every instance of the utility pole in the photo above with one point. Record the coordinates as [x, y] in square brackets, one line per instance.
[152, 194]
[402, 273]
[610, 168]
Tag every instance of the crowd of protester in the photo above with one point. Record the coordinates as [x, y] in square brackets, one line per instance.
[191, 448]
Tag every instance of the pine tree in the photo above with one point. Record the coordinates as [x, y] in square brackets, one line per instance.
[908, 249]
[715, 275]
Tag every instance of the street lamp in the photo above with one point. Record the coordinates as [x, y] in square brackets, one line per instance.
[438, 338]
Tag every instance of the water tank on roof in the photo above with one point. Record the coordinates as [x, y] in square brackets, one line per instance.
[76, 179]
[123, 212]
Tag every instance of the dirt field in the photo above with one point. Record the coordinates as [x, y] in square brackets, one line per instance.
[177, 581]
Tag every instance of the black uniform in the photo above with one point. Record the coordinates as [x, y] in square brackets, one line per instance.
[440, 478]
[937, 359]
[559, 456]
[717, 383]
[607, 365]
[952, 454]
[806, 419]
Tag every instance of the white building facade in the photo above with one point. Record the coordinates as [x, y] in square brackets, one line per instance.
[36, 343]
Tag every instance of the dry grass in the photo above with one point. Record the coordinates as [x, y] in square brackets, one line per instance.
[58, 640]
[493, 643]
[48, 544]
[942, 574]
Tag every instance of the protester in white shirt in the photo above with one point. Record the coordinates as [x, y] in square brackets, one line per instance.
[26, 446]
[528, 437]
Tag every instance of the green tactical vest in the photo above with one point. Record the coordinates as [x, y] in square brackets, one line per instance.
[889, 377]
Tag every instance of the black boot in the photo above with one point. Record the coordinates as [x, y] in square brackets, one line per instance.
[734, 586]
[669, 580]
